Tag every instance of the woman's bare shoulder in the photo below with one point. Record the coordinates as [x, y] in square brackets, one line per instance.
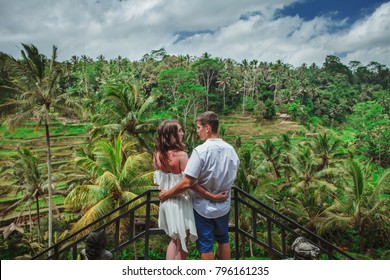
[177, 154]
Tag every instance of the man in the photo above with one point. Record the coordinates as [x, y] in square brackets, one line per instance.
[213, 165]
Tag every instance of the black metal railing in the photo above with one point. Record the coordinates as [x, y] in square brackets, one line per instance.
[251, 220]
[278, 231]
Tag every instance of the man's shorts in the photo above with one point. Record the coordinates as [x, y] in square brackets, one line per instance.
[210, 230]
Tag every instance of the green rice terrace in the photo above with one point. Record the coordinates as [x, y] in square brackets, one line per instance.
[66, 138]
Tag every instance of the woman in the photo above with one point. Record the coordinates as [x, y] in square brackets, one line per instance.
[176, 215]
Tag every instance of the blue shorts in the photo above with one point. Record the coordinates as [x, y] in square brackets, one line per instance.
[210, 230]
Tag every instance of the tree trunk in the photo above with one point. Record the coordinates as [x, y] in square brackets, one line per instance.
[224, 97]
[38, 219]
[30, 222]
[50, 222]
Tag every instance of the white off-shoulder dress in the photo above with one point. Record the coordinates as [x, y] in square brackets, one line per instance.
[176, 214]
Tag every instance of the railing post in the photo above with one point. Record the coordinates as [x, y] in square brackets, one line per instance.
[147, 226]
[254, 224]
[284, 247]
[116, 237]
[236, 238]
[131, 225]
[56, 256]
[269, 235]
[74, 252]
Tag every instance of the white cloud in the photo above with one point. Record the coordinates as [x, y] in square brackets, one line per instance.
[369, 39]
[245, 29]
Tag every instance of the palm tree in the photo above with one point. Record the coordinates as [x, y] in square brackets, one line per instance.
[359, 205]
[117, 174]
[35, 81]
[310, 190]
[29, 181]
[278, 77]
[124, 109]
[247, 177]
[223, 82]
[325, 146]
[285, 144]
[272, 155]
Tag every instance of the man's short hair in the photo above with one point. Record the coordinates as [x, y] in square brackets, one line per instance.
[209, 118]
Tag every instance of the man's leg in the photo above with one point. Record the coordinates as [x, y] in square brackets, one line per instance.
[207, 256]
[224, 251]
[205, 240]
[221, 233]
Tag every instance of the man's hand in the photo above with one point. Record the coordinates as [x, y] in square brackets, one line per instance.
[163, 195]
[220, 197]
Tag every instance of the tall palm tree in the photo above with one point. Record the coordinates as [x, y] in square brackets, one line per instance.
[278, 77]
[223, 82]
[35, 81]
[117, 174]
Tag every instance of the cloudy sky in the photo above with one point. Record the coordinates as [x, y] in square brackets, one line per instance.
[294, 31]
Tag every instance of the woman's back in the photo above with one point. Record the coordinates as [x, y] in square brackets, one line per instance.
[175, 163]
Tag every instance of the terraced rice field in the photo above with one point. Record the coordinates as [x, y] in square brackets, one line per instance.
[66, 138]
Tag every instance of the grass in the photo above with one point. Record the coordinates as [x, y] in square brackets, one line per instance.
[57, 200]
[7, 154]
[253, 132]
[9, 199]
[248, 127]
[31, 132]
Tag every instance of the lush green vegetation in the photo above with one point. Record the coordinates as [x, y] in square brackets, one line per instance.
[77, 138]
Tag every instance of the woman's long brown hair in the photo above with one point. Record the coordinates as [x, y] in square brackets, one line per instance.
[168, 139]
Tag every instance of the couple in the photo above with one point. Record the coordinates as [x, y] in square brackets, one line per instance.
[195, 192]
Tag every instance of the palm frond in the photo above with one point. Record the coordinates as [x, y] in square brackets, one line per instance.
[357, 176]
[135, 164]
[109, 182]
[98, 210]
[89, 165]
[334, 221]
[146, 105]
[139, 181]
[84, 197]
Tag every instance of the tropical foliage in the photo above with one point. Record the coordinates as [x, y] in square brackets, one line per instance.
[116, 173]
[331, 175]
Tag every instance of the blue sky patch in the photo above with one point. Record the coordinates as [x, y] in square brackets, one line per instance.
[336, 9]
[186, 34]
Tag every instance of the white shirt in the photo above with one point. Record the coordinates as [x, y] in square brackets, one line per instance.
[214, 164]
